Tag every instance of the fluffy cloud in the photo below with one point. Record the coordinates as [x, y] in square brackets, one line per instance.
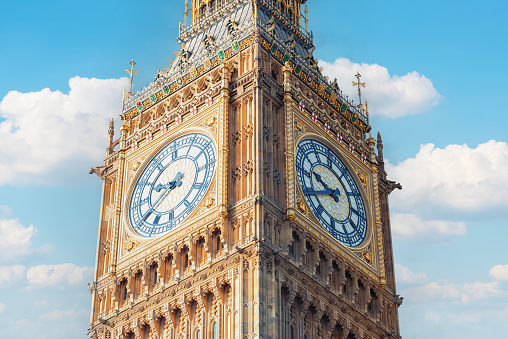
[463, 178]
[389, 95]
[54, 136]
[15, 239]
[405, 276]
[464, 293]
[2, 307]
[61, 314]
[50, 275]
[412, 226]
[499, 272]
[10, 273]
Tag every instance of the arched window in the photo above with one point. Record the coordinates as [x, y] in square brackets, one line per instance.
[291, 332]
[218, 243]
[186, 260]
[198, 334]
[214, 334]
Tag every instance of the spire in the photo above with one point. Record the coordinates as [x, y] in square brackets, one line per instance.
[111, 134]
[380, 149]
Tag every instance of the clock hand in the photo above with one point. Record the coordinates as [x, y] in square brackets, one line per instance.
[318, 177]
[177, 182]
[318, 192]
[171, 184]
[334, 193]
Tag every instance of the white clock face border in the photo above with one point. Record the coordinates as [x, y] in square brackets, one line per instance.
[331, 192]
[172, 184]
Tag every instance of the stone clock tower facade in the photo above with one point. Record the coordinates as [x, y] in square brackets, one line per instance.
[244, 197]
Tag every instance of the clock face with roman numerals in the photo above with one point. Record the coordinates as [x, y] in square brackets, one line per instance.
[172, 184]
[331, 192]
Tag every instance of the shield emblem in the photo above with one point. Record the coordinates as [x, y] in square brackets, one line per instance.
[343, 108]
[221, 54]
[165, 89]
[298, 69]
[273, 49]
[139, 105]
[153, 98]
[286, 58]
[236, 46]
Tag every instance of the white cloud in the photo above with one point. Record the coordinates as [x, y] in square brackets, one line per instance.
[52, 136]
[15, 239]
[41, 303]
[10, 273]
[499, 272]
[5, 211]
[463, 178]
[412, 226]
[466, 292]
[389, 95]
[50, 275]
[61, 314]
[405, 276]
[2, 307]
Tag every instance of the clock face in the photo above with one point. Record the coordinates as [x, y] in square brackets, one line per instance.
[172, 185]
[331, 192]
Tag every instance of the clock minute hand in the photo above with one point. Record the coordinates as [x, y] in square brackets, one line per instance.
[318, 177]
[319, 192]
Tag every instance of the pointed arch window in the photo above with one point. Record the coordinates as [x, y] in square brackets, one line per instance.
[214, 333]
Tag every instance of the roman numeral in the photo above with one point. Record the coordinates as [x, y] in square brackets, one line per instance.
[352, 224]
[156, 220]
[198, 185]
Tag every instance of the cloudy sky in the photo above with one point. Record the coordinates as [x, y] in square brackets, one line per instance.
[435, 75]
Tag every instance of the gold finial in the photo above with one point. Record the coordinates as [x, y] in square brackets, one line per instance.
[366, 107]
[185, 13]
[307, 20]
[123, 99]
[131, 72]
[359, 84]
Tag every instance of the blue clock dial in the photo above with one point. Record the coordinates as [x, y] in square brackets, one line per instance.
[331, 192]
[172, 185]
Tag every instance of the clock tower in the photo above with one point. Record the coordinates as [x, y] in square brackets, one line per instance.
[244, 197]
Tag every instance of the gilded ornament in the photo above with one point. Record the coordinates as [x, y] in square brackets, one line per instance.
[211, 121]
[209, 202]
[136, 165]
[299, 126]
[362, 176]
[301, 206]
[130, 246]
[367, 256]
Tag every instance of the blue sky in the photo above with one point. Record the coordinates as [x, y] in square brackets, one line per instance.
[435, 75]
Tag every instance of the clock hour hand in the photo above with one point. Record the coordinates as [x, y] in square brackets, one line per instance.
[177, 182]
[334, 193]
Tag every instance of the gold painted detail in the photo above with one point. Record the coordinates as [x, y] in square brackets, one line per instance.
[211, 121]
[299, 126]
[209, 202]
[136, 165]
[301, 206]
[130, 246]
